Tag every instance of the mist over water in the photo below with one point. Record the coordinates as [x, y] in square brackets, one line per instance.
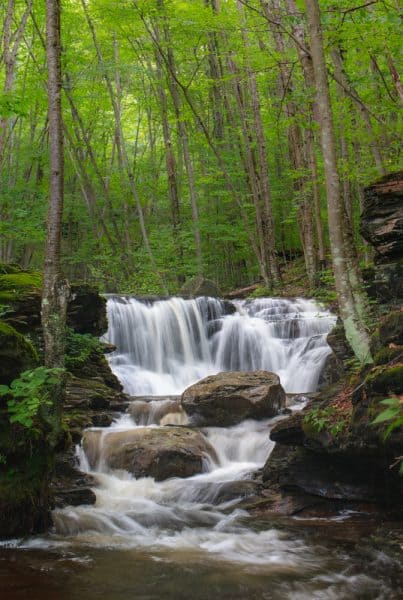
[167, 345]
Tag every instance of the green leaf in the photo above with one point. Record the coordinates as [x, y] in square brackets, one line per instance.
[386, 415]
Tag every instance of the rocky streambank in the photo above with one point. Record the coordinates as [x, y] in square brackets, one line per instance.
[332, 455]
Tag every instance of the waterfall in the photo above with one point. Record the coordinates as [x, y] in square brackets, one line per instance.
[166, 345]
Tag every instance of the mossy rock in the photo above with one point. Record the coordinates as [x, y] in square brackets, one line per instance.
[389, 331]
[387, 355]
[17, 354]
[385, 380]
[15, 286]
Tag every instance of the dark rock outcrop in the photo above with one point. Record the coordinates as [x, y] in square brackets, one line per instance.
[231, 397]
[17, 354]
[337, 341]
[70, 486]
[150, 452]
[382, 227]
[86, 312]
[91, 394]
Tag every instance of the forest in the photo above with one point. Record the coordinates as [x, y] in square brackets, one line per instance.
[201, 234]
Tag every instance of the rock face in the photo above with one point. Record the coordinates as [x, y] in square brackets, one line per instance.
[86, 312]
[93, 394]
[147, 452]
[382, 227]
[17, 354]
[230, 397]
[71, 487]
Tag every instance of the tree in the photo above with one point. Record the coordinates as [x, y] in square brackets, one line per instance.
[55, 287]
[351, 296]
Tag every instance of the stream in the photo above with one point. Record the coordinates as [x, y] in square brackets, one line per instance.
[192, 538]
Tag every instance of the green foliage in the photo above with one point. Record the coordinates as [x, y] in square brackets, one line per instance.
[326, 419]
[260, 292]
[28, 395]
[79, 348]
[325, 290]
[14, 286]
[393, 415]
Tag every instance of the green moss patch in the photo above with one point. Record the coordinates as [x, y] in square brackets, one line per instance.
[17, 354]
[14, 286]
[385, 380]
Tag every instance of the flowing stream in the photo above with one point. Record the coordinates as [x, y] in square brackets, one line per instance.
[192, 538]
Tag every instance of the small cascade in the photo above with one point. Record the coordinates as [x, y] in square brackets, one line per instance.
[167, 345]
[162, 347]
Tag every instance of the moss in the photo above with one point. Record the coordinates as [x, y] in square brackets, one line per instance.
[390, 330]
[17, 354]
[385, 380]
[14, 286]
[6, 268]
[386, 355]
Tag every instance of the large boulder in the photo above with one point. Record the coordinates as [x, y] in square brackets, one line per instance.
[230, 397]
[150, 452]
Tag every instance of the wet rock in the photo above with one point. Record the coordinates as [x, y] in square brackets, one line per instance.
[231, 397]
[233, 490]
[289, 431]
[337, 341]
[150, 452]
[333, 371]
[152, 412]
[70, 486]
[332, 477]
[90, 394]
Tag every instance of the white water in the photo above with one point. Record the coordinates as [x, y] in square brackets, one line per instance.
[165, 346]
[183, 514]
[162, 348]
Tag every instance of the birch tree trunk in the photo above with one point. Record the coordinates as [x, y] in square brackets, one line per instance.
[55, 287]
[352, 302]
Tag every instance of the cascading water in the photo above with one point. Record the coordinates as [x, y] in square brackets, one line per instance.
[182, 538]
[167, 345]
[162, 347]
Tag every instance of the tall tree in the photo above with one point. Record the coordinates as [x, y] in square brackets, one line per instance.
[55, 287]
[351, 296]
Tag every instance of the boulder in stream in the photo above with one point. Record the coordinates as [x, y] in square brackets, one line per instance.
[161, 453]
[230, 397]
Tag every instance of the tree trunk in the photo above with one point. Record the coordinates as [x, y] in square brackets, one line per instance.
[55, 288]
[352, 302]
